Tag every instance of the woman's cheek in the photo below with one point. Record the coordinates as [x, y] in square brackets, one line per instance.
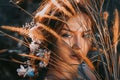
[67, 41]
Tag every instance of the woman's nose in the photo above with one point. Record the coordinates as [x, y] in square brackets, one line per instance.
[76, 44]
[76, 47]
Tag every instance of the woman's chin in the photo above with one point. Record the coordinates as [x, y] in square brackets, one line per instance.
[74, 61]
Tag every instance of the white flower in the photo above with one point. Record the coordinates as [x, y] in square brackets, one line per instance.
[21, 71]
[33, 47]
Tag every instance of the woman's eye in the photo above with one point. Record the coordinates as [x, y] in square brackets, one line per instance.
[87, 35]
[66, 35]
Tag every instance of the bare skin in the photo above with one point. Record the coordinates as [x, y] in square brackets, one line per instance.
[75, 36]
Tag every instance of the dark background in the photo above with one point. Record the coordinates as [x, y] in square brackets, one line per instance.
[13, 16]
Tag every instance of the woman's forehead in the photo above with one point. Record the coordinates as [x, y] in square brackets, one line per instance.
[81, 22]
[82, 17]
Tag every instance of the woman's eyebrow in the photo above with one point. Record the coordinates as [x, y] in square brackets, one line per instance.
[66, 29]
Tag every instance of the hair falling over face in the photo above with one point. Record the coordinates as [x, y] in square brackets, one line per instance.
[72, 40]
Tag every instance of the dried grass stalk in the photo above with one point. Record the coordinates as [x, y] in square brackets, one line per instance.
[19, 30]
[60, 7]
[116, 28]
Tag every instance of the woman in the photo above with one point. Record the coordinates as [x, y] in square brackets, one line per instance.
[66, 28]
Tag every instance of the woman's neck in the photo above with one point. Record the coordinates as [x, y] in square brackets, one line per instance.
[63, 70]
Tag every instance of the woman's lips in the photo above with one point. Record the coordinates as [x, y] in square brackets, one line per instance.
[75, 56]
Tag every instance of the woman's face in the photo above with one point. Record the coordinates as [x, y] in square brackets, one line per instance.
[76, 36]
